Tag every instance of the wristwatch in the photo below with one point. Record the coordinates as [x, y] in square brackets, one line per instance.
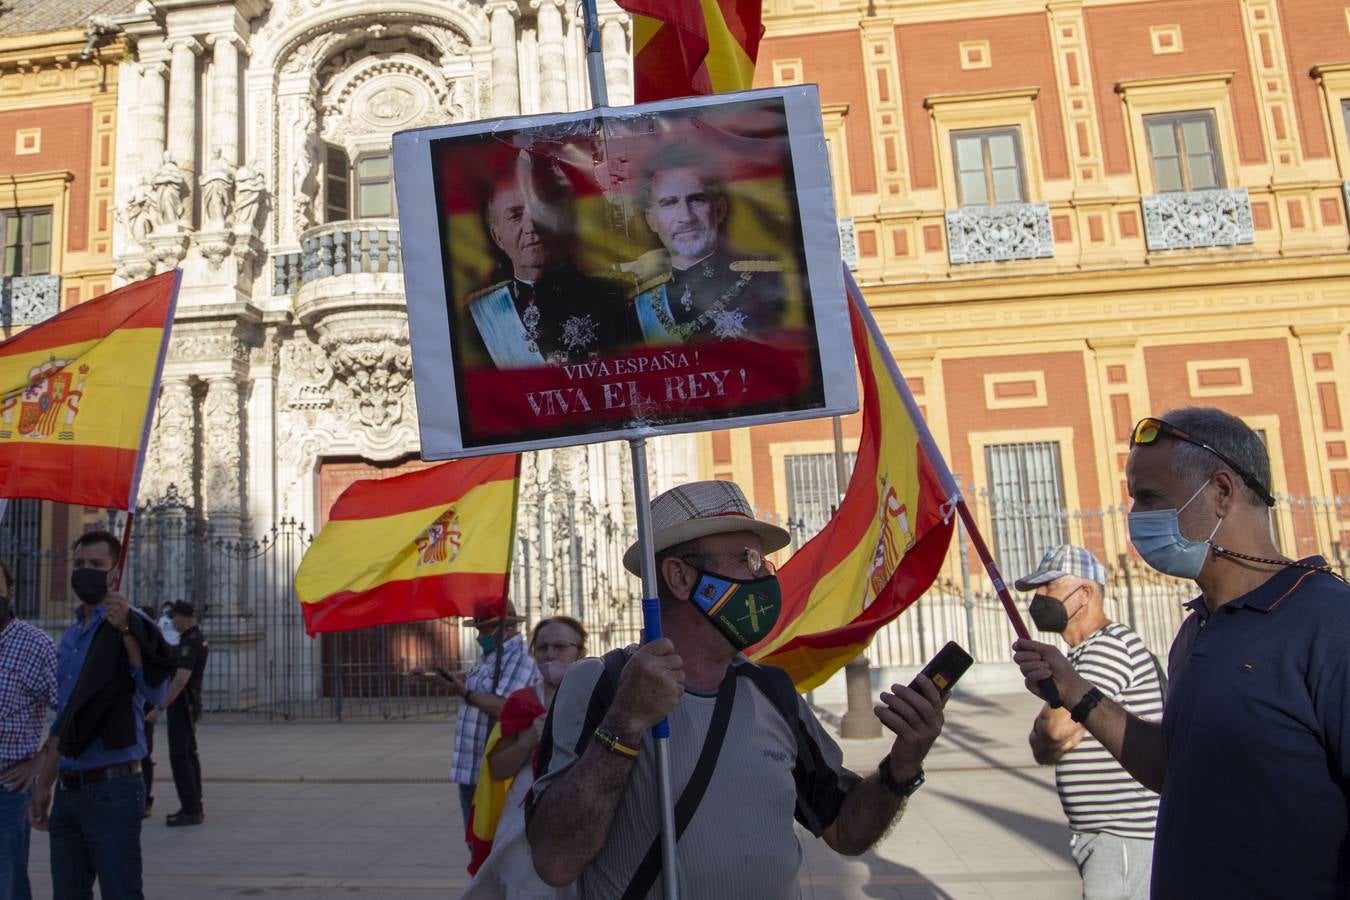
[1089, 702]
[896, 788]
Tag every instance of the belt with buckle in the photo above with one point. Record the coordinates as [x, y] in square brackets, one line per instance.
[75, 780]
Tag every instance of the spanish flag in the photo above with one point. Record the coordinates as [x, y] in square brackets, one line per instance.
[886, 542]
[686, 47]
[78, 392]
[420, 546]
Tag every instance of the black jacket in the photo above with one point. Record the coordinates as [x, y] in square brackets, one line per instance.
[101, 704]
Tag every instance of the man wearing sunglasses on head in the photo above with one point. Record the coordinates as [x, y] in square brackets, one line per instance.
[747, 755]
[1252, 757]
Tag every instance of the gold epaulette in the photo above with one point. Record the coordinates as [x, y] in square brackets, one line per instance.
[756, 265]
[483, 292]
[655, 281]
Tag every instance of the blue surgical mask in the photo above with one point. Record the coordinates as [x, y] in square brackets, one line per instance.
[1156, 535]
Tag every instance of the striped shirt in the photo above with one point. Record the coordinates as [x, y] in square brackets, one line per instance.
[1096, 792]
[740, 841]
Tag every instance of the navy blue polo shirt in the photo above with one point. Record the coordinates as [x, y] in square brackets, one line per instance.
[1256, 801]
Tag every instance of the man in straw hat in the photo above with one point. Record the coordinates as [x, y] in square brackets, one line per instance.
[746, 752]
[504, 668]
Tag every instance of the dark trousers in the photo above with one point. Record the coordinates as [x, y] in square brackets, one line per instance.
[14, 846]
[96, 834]
[187, 769]
[148, 764]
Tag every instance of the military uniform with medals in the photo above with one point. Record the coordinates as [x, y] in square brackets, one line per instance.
[721, 297]
[564, 317]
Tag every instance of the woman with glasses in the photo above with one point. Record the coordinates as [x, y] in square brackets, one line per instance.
[507, 870]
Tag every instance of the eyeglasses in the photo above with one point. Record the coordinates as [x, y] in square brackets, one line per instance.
[557, 647]
[752, 559]
[1149, 429]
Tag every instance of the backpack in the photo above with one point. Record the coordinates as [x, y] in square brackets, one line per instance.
[772, 682]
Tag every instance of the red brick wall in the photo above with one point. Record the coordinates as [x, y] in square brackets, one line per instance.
[1067, 406]
[1314, 33]
[834, 61]
[1211, 35]
[1021, 56]
[66, 134]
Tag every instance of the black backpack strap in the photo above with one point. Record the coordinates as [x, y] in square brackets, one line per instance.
[602, 695]
[692, 795]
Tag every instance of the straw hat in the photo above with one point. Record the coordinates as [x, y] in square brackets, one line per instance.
[699, 509]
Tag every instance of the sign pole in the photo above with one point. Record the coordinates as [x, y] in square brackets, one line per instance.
[651, 630]
[651, 605]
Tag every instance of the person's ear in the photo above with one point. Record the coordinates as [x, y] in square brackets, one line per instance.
[1226, 497]
[679, 576]
[651, 220]
[720, 209]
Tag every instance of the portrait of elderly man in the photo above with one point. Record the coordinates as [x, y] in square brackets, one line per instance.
[697, 287]
[547, 312]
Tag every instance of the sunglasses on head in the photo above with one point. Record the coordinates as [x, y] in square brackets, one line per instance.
[1149, 429]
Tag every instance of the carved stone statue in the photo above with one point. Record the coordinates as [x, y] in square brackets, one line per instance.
[217, 189]
[305, 170]
[170, 189]
[250, 189]
[136, 211]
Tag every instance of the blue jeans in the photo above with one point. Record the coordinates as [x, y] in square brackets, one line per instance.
[466, 805]
[14, 846]
[96, 834]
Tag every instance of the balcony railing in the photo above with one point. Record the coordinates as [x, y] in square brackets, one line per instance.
[29, 299]
[338, 248]
[1183, 220]
[1001, 232]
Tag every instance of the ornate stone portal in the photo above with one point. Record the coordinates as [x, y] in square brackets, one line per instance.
[249, 128]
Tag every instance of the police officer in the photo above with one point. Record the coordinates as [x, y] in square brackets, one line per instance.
[698, 288]
[184, 703]
[548, 312]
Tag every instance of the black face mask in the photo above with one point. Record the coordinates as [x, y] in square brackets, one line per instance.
[1050, 614]
[90, 585]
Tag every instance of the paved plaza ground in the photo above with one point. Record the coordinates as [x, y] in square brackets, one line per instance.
[363, 810]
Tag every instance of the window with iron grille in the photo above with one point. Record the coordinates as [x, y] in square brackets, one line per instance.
[1026, 503]
[813, 492]
[988, 166]
[1184, 151]
[28, 241]
[20, 548]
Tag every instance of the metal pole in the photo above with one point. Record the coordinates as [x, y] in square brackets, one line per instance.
[651, 606]
[595, 59]
[651, 630]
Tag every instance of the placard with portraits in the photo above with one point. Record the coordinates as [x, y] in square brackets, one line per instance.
[616, 273]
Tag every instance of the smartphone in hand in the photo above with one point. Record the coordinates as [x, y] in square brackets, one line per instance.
[946, 668]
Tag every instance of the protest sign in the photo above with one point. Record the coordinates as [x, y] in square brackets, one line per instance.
[619, 273]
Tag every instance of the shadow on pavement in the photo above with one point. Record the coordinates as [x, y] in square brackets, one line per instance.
[1049, 835]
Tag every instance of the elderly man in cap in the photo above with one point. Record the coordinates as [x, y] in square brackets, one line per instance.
[504, 668]
[184, 705]
[746, 753]
[1252, 756]
[1111, 816]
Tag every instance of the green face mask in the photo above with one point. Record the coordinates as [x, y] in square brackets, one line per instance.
[487, 642]
[743, 611]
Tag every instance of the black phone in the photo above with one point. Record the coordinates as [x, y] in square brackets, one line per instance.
[945, 669]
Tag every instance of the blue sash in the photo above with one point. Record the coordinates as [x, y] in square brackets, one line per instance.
[653, 331]
[502, 331]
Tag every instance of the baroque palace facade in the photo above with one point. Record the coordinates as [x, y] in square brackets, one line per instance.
[1067, 215]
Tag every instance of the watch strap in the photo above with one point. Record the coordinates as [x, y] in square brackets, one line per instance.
[896, 788]
[1089, 702]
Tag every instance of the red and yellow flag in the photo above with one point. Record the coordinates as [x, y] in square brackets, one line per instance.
[78, 392]
[886, 542]
[424, 545]
[686, 47]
